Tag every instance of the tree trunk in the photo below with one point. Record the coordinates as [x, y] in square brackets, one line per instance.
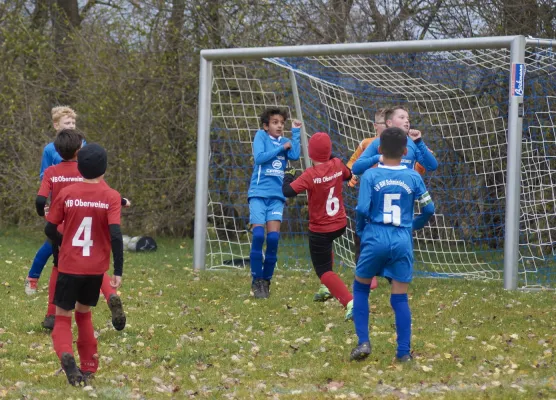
[337, 22]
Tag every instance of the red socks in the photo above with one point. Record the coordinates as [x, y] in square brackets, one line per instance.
[61, 336]
[106, 289]
[51, 290]
[337, 287]
[86, 342]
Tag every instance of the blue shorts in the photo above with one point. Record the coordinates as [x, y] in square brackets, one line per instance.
[262, 210]
[386, 251]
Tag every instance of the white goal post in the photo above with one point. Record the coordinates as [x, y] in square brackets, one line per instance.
[515, 46]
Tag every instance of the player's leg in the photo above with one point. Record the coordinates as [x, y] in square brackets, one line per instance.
[67, 288]
[257, 218]
[402, 313]
[49, 318]
[114, 303]
[274, 214]
[86, 342]
[40, 260]
[357, 240]
[361, 291]
[401, 272]
[320, 248]
[375, 251]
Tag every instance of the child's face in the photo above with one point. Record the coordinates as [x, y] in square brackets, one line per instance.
[400, 119]
[66, 122]
[275, 126]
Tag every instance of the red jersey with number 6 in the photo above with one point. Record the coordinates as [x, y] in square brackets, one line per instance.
[323, 184]
[87, 209]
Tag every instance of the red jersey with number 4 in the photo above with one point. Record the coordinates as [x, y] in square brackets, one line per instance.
[57, 177]
[87, 209]
[323, 184]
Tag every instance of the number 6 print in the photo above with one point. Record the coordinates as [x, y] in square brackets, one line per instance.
[332, 203]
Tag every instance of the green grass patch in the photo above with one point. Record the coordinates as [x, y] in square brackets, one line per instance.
[200, 335]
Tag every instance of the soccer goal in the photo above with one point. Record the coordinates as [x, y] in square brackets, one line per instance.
[486, 107]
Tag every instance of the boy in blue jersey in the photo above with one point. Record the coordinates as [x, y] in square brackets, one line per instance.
[398, 117]
[384, 223]
[62, 118]
[271, 152]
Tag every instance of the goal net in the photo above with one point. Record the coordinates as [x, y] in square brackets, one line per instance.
[458, 99]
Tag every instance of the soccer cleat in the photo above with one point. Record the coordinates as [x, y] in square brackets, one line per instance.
[266, 285]
[88, 377]
[360, 352]
[404, 359]
[118, 314]
[74, 375]
[48, 322]
[259, 290]
[323, 294]
[31, 286]
[349, 311]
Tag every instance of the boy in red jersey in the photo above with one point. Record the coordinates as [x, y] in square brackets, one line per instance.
[90, 211]
[327, 216]
[67, 144]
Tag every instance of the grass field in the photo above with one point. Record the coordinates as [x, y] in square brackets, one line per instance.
[200, 335]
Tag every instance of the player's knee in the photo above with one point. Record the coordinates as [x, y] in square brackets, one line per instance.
[322, 269]
[258, 236]
[272, 239]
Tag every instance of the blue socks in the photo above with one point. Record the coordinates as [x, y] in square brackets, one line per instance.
[270, 256]
[41, 258]
[361, 311]
[256, 255]
[402, 313]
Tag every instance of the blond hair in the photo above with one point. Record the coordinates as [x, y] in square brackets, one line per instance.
[62, 111]
[380, 114]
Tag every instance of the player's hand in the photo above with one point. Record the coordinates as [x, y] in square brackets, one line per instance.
[116, 281]
[46, 209]
[353, 181]
[296, 123]
[414, 134]
[127, 203]
[287, 145]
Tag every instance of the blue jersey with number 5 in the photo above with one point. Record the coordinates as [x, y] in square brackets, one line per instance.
[387, 195]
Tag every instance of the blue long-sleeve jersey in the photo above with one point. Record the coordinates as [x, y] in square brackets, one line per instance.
[49, 157]
[386, 197]
[270, 163]
[416, 151]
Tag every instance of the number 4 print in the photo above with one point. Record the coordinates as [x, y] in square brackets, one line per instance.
[85, 230]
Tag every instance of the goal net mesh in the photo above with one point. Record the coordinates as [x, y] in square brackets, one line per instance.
[459, 100]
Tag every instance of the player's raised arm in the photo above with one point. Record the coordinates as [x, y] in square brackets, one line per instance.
[426, 203]
[295, 150]
[369, 158]
[424, 155]
[260, 156]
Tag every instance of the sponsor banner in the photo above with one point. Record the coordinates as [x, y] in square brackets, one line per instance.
[518, 79]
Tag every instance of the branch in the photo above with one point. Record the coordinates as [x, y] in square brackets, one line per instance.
[430, 18]
[91, 3]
